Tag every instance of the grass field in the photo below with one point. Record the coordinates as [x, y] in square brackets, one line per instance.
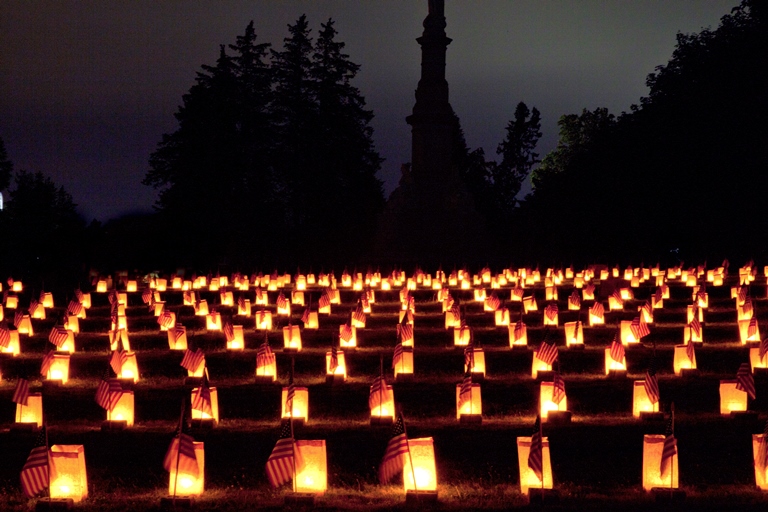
[596, 460]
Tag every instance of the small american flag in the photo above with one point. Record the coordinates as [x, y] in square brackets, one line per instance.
[114, 311]
[5, 336]
[109, 391]
[285, 457]
[192, 360]
[551, 311]
[747, 308]
[264, 355]
[75, 308]
[182, 451]
[334, 361]
[379, 394]
[695, 326]
[358, 315]
[228, 329]
[575, 299]
[690, 351]
[147, 296]
[517, 293]
[519, 330]
[752, 329]
[617, 349]
[394, 456]
[589, 290]
[118, 359]
[469, 357]
[34, 474]
[33, 304]
[742, 293]
[493, 302]
[345, 332]
[547, 352]
[398, 355]
[745, 381]
[465, 392]
[166, 319]
[18, 317]
[597, 310]
[762, 350]
[558, 388]
[305, 316]
[79, 295]
[651, 383]
[617, 296]
[325, 300]
[21, 393]
[282, 302]
[646, 309]
[241, 303]
[639, 328]
[404, 330]
[535, 455]
[659, 295]
[201, 401]
[762, 452]
[47, 362]
[670, 448]
[58, 336]
[290, 394]
[179, 330]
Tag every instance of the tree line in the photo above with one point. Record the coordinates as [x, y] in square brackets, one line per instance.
[273, 158]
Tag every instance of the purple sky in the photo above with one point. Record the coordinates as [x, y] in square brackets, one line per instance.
[87, 88]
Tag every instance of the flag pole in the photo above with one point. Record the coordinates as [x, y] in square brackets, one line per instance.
[541, 440]
[293, 439]
[178, 450]
[470, 367]
[672, 462]
[410, 458]
[381, 385]
[48, 459]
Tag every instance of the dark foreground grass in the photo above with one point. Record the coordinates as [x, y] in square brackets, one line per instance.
[596, 461]
[451, 498]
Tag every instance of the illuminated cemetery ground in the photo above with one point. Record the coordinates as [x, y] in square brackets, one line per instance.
[596, 460]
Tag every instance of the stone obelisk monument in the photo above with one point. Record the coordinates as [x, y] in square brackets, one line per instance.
[430, 218]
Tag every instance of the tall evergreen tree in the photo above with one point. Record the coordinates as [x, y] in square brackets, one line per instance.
[347, 160]
[295, 114]
[214, 170]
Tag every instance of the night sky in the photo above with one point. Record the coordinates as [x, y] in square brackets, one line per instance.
[87, 88]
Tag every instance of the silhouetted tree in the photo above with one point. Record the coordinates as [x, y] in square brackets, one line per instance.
[281, 139]
[42, 232]
[493, 185]
[518, 156]
[683, 170]
[346, 160]
[577, 132]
